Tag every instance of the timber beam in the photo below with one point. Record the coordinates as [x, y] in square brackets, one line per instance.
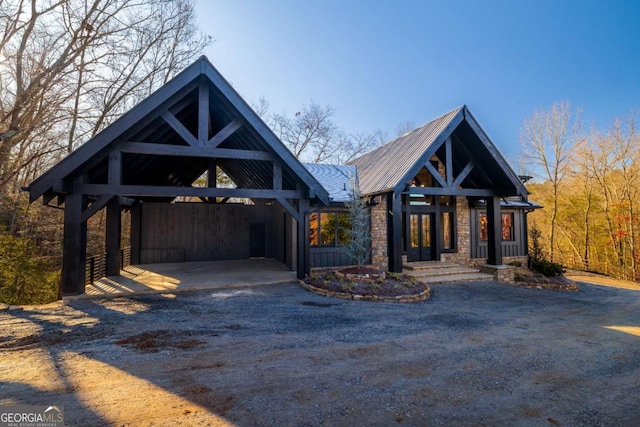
[171, 191]
[134, 147]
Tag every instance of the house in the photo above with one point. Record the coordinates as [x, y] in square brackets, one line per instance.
[442, 191]
[433, 193]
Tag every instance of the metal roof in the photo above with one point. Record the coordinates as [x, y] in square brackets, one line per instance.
[336, 179]
[382, 169]
[392, 166]
[507, 203]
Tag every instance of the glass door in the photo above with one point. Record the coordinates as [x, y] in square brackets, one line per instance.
[420, 237]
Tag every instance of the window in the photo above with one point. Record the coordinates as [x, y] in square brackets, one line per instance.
[313, 229]
[329, 229]
[446, 229]
[506, 227]
[484, 228]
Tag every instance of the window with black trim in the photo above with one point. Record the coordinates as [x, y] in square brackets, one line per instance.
[329, 229]
[507, 226]
[507, 231]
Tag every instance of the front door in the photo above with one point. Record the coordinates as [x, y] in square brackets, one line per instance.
[257, 240]
[421, 238]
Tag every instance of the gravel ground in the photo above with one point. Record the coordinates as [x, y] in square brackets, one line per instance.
[474, 354]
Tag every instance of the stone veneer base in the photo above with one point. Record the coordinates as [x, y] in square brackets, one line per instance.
[357, 297]
[501, 273]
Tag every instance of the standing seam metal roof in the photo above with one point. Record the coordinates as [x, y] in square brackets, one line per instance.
[336, 179]
[381, 169]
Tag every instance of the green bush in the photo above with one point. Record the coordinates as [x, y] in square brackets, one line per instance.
[547, 268]
[536, 257]
[25, 278]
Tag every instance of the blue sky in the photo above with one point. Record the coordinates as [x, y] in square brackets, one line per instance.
[380, 63]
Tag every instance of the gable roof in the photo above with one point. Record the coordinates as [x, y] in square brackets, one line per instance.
[336, 179]
[144, 120]
[391, 166]
[382, 169]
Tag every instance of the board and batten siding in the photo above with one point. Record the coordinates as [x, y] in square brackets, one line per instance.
[514, 248]
[329, 257]
[185, 232]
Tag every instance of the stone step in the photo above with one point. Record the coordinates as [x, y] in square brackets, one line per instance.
[458, 278]
[428, 265]
[432, 272]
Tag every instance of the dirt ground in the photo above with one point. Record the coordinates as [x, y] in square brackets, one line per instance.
[474, 354]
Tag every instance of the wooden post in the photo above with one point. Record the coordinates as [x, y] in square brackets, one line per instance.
[74, 247]
[303, 266]
[112, 238]
[212, 177]
[394, 232]
[494, 221]
[134, 237]
[203, 113]
[406, 232]
[449, 162]
[277, 175]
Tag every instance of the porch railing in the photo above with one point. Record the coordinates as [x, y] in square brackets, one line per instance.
[96, 265]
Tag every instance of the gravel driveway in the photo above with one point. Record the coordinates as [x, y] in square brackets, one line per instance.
[475, 354]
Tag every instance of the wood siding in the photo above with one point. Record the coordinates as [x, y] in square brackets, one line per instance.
[514, 248]
[329, 257]
[185, 232]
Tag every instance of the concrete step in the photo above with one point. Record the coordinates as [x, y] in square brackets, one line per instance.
[428, 265]
[432, 272]
[457, 278]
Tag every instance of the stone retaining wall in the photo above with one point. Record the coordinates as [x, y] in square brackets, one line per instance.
[402, 298]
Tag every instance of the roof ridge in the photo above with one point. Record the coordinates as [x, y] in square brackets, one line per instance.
[386, 144]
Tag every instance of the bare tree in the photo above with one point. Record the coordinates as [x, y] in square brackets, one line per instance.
[626, 149]
[581, 172]
[404, 127]
[70, 67]
[548, 138]
[312, 135]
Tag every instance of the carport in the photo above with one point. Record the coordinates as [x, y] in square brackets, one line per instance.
[162, 161]
[171, 277]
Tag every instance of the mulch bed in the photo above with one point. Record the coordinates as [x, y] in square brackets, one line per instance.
[529, 279]
[392, 285]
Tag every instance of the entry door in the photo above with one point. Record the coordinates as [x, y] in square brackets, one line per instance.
[421, 237]
[257, 240]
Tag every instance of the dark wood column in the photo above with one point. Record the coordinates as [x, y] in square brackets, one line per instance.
[394, 232]
[437, 243]
[112, 238]
[134, 237]
[303, 266]
[494, 221]
[74, 246]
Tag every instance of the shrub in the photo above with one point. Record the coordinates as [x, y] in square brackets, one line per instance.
[25, 278]
[536, 258]
[547, 268]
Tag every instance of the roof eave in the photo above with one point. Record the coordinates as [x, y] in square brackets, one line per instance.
[265, 132]
[484, 138]
[180, 83]
[82, 154]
